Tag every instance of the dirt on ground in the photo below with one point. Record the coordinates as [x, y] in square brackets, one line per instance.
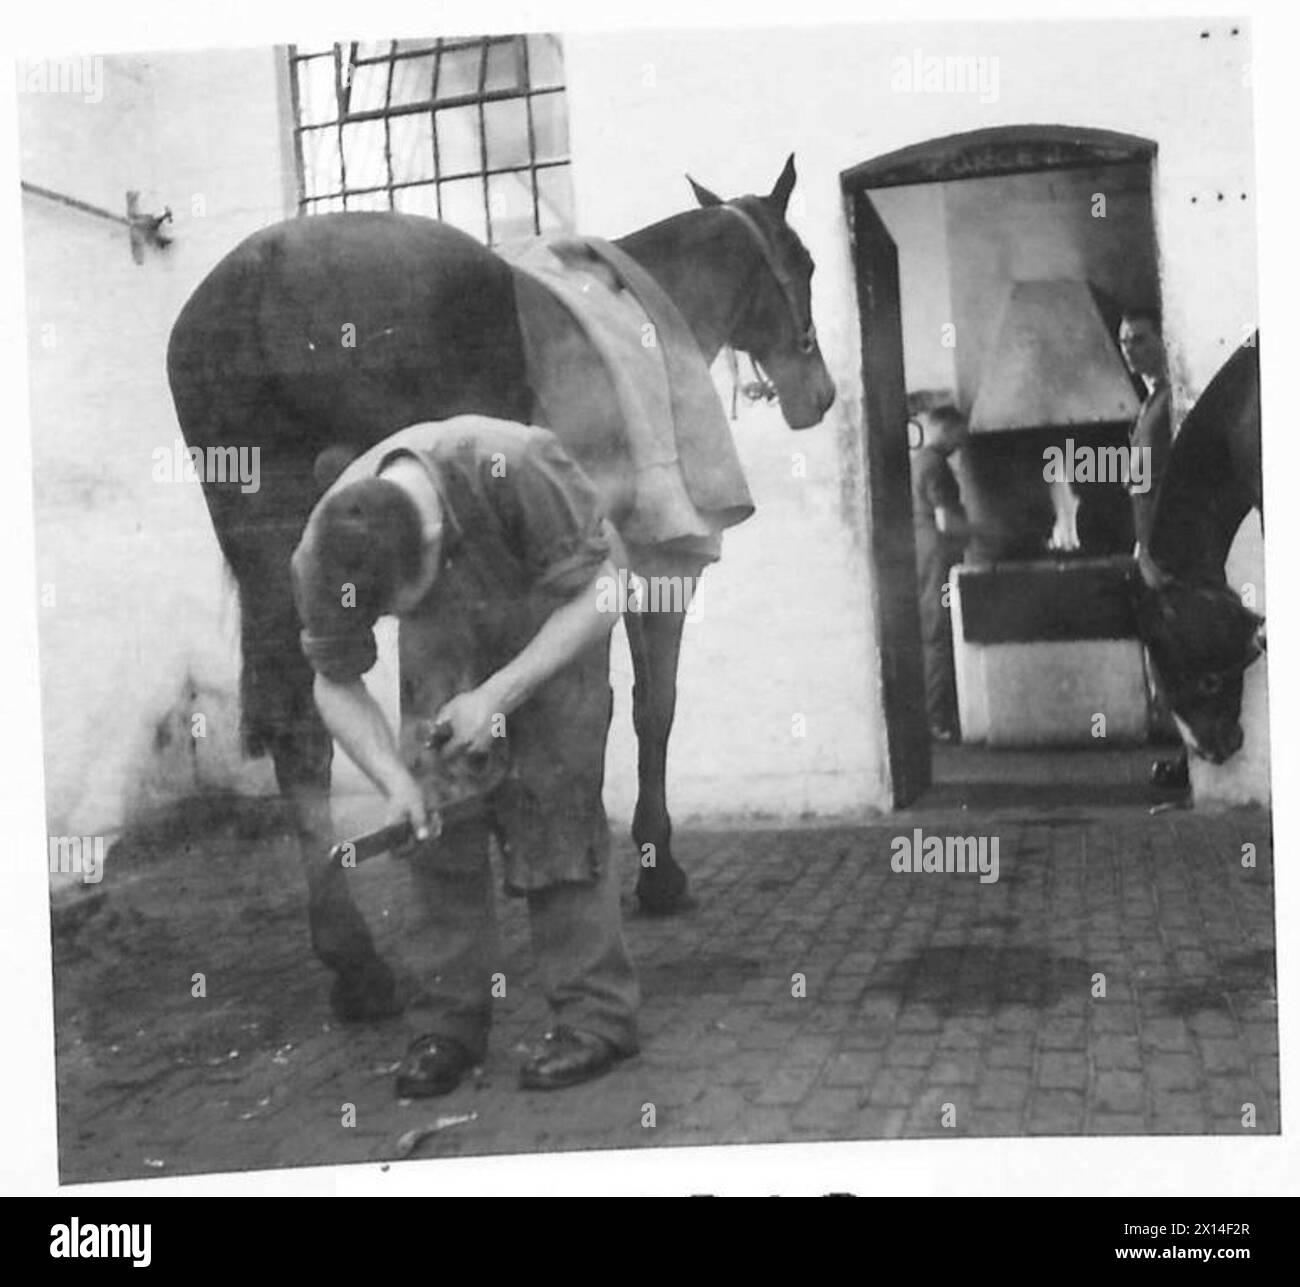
[813, 993]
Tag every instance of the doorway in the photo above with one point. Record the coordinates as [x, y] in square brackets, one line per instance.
[966, 248]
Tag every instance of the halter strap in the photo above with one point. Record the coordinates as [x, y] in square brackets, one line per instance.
[805, 336]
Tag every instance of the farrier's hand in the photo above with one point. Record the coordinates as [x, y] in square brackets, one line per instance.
[471, 717]
[406, 804]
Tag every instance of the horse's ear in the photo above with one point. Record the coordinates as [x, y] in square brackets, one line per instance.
[703, 195]
[780, 195]
[1257, 630]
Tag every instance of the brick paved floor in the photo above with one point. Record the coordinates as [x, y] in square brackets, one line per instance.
[931, 1004]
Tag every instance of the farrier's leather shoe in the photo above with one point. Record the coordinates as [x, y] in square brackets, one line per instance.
[567, 1057]
[434, 1065]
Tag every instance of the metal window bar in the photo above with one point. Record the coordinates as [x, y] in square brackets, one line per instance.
[436, 105]
[344, 83]
[433, 132]
[532, 147]
[482, 142]
[388, 128]
[441, 44]
[399, 185]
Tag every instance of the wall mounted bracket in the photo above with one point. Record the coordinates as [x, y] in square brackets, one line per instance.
[145, 229]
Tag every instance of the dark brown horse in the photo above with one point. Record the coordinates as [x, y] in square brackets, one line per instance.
[255, 360]
[1199, 635]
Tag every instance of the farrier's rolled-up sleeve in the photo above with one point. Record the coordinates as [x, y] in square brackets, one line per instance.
[338, 640]
[554, 517]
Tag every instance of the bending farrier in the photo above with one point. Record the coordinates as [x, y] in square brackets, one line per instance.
[486, 540]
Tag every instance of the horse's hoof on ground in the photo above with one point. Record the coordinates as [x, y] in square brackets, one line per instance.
[366, 995]
[662, 897]
[661, 907]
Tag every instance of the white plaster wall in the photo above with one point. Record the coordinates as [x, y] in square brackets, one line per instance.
[141, 629]
[142, 613]
[728, 107]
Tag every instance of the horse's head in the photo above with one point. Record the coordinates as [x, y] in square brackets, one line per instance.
[773, 320]
[1200, 639]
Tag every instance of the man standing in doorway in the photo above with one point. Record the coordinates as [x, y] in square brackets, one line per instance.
[487, 542]
[1142, 343]
[942, 531]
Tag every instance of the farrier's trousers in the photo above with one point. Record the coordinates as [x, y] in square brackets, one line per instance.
[577, 940]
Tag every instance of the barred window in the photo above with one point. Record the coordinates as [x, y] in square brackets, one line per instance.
[473, 130]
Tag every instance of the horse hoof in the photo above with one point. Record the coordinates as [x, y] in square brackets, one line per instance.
[660, 907]
[366, 995]
[664, 896]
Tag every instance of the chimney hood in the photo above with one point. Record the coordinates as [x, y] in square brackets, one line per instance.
[1054, 364]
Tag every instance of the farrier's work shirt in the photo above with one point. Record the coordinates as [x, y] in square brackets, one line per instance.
[522, 534]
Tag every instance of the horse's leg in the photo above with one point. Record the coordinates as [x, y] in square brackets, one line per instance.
[364, 987]
[655, 636]
[280, 717]
[219, 379]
